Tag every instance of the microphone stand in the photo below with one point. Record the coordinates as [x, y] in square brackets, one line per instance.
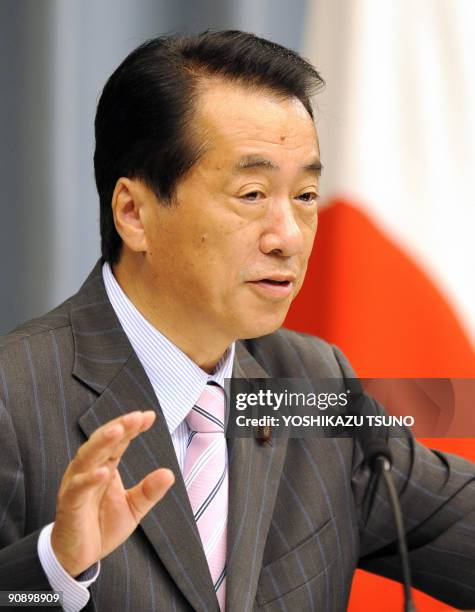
[379, 458]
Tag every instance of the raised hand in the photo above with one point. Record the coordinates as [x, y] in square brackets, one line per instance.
[94, 513]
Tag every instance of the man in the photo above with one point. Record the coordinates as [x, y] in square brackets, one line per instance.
[207, 166]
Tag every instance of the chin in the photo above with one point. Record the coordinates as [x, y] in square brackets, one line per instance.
[262, 326]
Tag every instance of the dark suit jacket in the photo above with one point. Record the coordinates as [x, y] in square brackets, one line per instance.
[303, 514]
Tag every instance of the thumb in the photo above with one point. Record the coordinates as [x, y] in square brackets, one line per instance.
[149, 491]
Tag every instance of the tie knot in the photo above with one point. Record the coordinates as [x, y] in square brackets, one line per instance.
[207, 415]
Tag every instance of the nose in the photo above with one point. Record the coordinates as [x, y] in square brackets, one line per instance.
[282, 234]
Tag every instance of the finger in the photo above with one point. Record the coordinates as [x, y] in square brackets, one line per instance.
[149, 491]
[81, 486]
[102, 442]
[148, 419]
[113, 454]
[111, 440]
[113, 460]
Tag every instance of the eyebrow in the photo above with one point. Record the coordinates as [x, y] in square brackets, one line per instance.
[252, 162]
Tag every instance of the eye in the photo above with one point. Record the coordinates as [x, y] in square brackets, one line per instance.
[309, 197]
[253, 196]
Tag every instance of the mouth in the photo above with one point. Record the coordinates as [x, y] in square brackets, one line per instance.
[275, 286]
[271, 281]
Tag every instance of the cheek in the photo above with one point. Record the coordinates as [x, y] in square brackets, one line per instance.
[225, 249]
[208, 264]
[308, 241]
[312, 224]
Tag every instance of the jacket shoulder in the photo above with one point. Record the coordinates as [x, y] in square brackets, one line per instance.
[55, 319]
[29, 352]
[286, 353]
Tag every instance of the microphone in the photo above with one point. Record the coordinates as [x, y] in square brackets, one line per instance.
[379, 458]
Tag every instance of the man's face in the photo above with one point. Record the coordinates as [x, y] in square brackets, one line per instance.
[232, 254]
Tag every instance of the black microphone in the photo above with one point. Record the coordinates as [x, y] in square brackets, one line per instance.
[379, 458]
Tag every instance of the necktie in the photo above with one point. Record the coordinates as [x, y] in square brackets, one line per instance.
[206, 480]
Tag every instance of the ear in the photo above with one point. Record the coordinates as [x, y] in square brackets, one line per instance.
[129, 202]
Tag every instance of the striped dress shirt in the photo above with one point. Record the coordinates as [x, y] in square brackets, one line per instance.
[178, 383]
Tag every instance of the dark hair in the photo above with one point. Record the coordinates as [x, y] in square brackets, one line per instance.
[147, 103]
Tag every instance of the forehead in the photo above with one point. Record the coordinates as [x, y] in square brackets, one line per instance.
[234, 120]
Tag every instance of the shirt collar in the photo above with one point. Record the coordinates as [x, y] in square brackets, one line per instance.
[176, 379]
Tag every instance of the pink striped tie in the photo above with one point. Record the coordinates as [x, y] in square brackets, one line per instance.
[206, 480]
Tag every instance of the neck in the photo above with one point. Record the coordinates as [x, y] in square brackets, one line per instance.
[173, 319]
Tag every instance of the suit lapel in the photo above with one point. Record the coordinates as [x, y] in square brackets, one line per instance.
[106, 362]
[254, 476]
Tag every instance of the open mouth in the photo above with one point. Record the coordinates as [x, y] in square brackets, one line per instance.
[279, 286]
[276, 289]
[269, 281]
